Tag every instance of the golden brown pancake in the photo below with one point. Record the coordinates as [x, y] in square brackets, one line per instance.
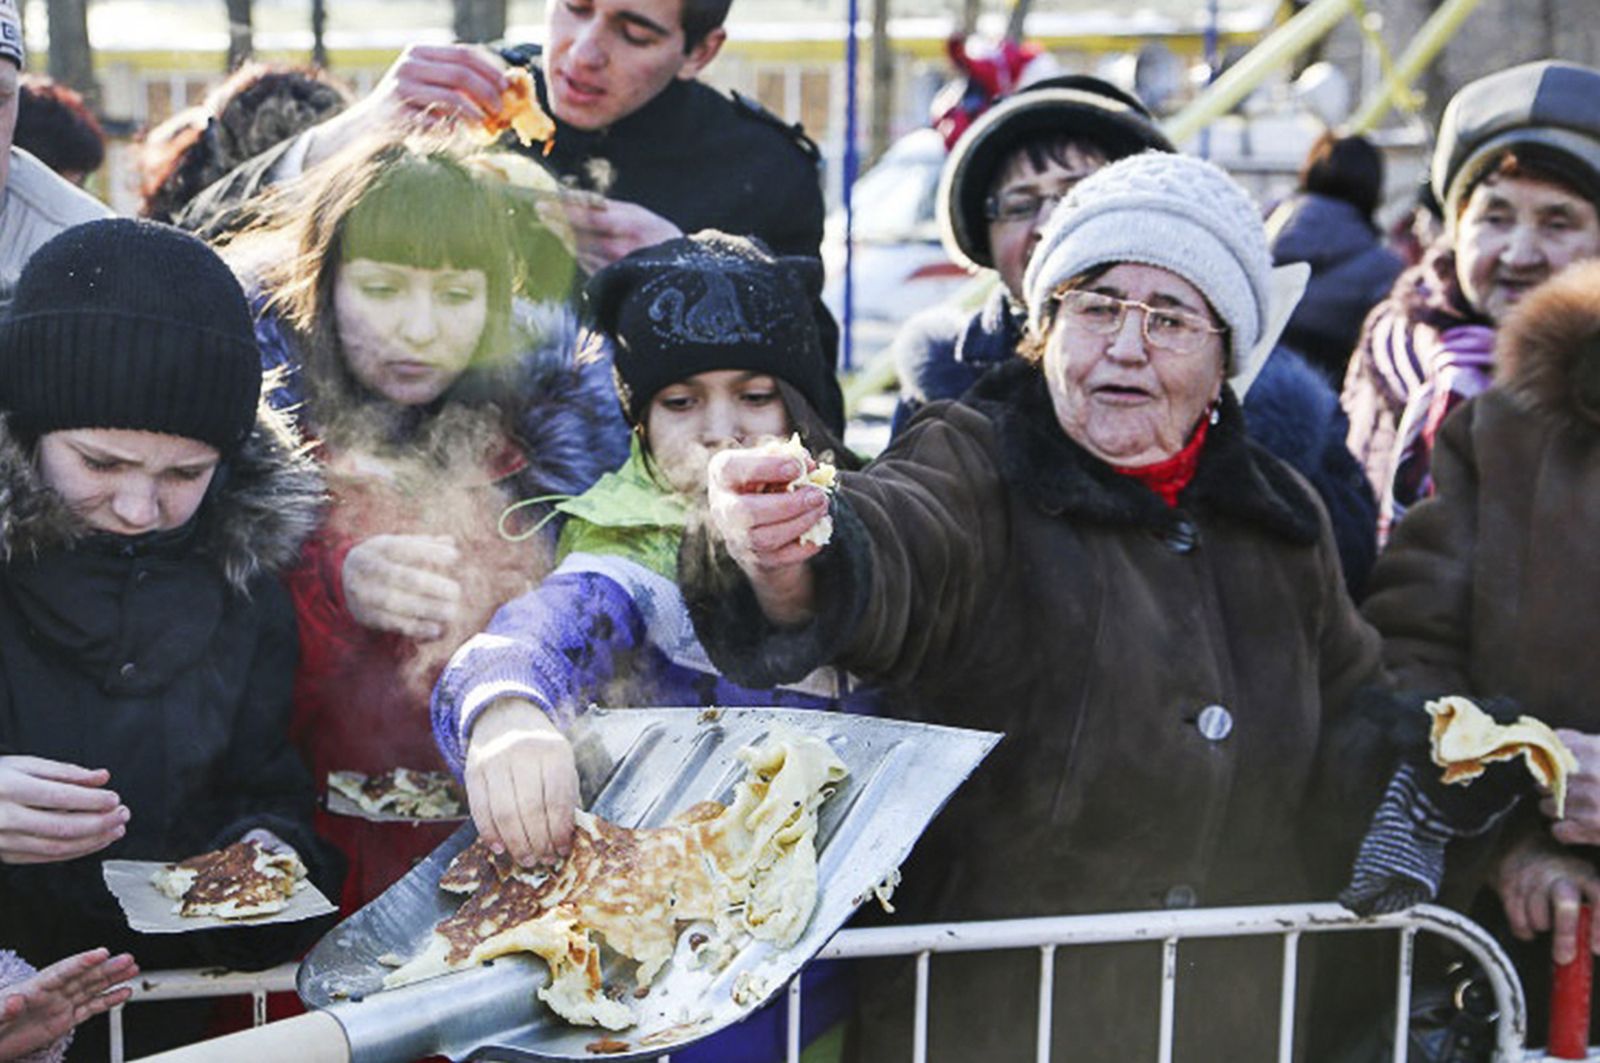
[238, 882]
[402, 792]
[520, 112]
[1465, 740]
[749, 868]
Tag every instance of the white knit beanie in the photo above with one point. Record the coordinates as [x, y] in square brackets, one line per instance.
[1177, 212]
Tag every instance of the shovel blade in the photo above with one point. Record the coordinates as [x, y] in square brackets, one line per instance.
[641, 767]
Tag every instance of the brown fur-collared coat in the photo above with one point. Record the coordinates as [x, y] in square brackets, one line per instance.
[1492, 586]
[1177, 687]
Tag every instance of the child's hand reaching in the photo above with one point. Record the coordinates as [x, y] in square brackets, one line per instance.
[522, 782]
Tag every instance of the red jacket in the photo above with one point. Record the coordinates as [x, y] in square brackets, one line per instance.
[361, 695]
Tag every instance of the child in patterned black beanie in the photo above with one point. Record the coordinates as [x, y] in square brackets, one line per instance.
[714, 347]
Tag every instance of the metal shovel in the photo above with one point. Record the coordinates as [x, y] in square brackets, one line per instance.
[639, 768]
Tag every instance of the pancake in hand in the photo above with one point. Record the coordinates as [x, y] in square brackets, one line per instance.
[1465, 740]
[750, 868]
[520, 112]
[818, 474]
[238, 882]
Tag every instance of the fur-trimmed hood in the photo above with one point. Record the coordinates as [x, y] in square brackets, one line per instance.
[1549, 349]
[252, 524]
[570, 423]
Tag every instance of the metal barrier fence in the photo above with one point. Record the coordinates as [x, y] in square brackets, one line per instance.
[1290, 922]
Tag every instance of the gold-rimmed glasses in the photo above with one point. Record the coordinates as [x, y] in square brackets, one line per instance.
[1164, 327]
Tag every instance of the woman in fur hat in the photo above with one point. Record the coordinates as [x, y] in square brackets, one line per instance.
[436, 404]
[147, 647]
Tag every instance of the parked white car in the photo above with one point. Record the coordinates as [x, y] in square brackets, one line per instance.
[900, 266]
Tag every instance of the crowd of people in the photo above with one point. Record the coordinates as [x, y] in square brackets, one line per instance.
[380, 443]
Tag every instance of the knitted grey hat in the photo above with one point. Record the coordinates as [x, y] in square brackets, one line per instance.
[1550, 104]
[1177, 212]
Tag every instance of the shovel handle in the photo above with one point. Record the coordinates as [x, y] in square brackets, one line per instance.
[314, 1037]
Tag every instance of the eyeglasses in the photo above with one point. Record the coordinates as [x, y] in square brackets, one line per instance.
[1025, 204]
[1163, 327]
[1012, 207]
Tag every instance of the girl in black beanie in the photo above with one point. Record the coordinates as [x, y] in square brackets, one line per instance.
[146, 646]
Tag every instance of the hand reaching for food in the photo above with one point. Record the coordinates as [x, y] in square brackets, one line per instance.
[40, 1009]
[51, 810]
[522, 782]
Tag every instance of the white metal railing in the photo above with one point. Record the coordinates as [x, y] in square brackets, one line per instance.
[1047, 934]
[199, 983]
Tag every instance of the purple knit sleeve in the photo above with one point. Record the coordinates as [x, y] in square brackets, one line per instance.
[554, 646]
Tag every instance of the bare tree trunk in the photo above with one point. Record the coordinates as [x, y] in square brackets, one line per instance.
[970, 10]
[882, 80]
[1017, 24]
[319, 24]
[480, 20]
[71, 60]
[241, 37]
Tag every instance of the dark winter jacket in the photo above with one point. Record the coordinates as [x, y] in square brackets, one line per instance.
[1351, 271]
[941, 352]
[361, 695]
[693, 155]
[1175, 685]
[1488, 587]
[1295, 415]
[168, 661]
[1291, 410]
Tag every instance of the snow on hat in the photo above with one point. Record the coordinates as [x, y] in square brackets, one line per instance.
[1176, 212]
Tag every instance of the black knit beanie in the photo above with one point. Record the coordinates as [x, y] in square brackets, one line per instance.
[130, 324]
[707, 302]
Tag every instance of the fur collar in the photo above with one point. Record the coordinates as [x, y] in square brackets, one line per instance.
[254, 524]
[570, 423]
[1549, 349]
[1236, 478]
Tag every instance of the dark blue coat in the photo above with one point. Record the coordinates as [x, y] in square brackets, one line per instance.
[1351, 271]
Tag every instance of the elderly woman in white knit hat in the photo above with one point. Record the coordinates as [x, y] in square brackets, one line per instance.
[1090, 554]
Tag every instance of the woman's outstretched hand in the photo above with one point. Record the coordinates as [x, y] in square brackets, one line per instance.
[522, 782]
[760, 521]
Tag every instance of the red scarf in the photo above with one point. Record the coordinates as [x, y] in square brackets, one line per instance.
[1169, 476]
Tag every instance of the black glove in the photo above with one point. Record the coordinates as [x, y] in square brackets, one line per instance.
[1460, 810]
[1401, 859]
